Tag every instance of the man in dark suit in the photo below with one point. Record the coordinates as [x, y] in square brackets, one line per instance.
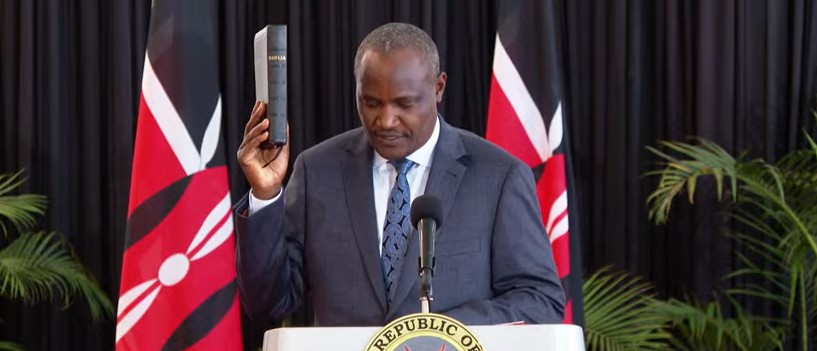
[338, 236]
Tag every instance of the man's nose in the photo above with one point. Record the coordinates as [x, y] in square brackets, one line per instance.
[389, 117]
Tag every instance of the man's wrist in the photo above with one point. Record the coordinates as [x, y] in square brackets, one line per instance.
[256, 204]
[267, 194]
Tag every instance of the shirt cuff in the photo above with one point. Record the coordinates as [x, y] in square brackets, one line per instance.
[257, 204]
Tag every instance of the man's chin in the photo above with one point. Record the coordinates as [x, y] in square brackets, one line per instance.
[390, 152]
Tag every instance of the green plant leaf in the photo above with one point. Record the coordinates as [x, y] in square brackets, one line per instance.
[40, 267]
[8, 345]
[20, 210]
[681, 174]
[618, 313]
[705, 328]
[811, 142]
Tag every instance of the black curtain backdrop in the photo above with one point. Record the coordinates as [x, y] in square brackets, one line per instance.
[741, 72]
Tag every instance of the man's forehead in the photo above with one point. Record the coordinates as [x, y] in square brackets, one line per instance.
[402, 56]
[397, 64]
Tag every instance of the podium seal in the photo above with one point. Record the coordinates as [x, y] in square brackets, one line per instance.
[424, 332]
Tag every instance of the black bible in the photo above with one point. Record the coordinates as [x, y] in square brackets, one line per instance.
[271, 80]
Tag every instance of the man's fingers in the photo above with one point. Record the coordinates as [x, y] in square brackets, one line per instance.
[250, 123]
[255, 142]
[258, 111]
[253, 134]
[250, 148]
[258, 129]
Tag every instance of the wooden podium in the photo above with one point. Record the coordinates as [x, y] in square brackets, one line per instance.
[541, 337]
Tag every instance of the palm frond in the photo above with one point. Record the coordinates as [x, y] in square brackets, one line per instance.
[8, 345]
[681, 175]
[774, 207]
[20, 210]
[810, 140]
[799, 167]
[618, 313]
[760, 228]
[41, 267]
[704, 327]
[759, 259]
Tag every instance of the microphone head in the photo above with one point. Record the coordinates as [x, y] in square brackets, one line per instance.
[426, 206]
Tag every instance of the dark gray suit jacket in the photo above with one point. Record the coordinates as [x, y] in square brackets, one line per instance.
[494, 262]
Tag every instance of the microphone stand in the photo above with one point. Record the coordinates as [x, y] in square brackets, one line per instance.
[426, 262]
[426, 295]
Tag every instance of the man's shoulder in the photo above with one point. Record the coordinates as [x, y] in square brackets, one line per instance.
[480, 149]
[336, 145]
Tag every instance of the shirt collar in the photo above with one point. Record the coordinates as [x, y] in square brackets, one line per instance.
[422, 156]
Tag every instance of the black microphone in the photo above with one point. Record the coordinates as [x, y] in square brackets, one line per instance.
[426, 216]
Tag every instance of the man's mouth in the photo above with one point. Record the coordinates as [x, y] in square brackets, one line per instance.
[387, 137]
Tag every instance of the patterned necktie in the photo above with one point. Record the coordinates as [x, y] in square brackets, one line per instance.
[397, 227]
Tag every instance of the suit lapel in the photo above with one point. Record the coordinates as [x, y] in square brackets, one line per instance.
[357, 179]
[447, 169]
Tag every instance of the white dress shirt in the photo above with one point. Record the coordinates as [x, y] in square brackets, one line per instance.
[383, 178]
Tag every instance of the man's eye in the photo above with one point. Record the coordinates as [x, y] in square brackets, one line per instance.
[370, 102]
[405, 103]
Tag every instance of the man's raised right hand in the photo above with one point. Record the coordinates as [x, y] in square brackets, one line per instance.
[266, 178]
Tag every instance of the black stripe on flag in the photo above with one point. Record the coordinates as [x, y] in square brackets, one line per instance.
[531, 42]
[152, 211]
[182, 43]
[199, 323]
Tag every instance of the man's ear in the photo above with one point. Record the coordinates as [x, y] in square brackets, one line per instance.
[439, 86]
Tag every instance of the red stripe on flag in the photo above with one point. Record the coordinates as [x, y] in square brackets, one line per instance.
[505, 130]
[552, 183]
[155, 165]
[568, 312]
[561, 255]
